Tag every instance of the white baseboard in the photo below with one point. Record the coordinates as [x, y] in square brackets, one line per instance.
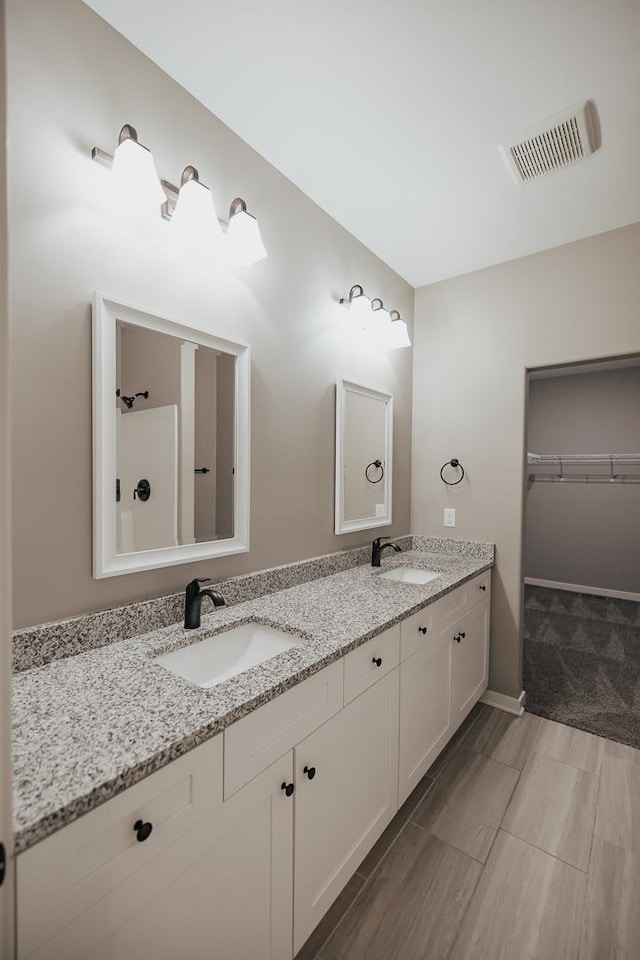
[513, 705]
[576, 588]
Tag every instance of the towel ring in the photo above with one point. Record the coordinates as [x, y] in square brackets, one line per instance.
[374, 463]
[455, 464]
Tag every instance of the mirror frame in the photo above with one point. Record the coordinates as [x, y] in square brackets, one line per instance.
[347, 526]
[106, 562]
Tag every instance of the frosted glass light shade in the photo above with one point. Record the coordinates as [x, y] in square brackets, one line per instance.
[134, 176]
[360, 312]
[379, 323]
[244, 243]
[398, 335]
[194, 222]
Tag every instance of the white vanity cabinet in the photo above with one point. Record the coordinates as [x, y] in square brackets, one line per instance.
[223, 888]
[256, 832]
[344, 789]
[444, 670]
[346, 794]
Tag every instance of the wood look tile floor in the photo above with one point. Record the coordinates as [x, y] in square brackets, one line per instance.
[523, 840]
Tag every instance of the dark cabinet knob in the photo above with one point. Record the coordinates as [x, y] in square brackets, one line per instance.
[142, 830]
[460, 636]
[463, 635]
[310, 772]
[422, 629]
[482, 586]
[377, 661]
[288, 789]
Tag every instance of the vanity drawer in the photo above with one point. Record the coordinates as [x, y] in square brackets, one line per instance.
[253, 743]
[416, 630]
[455, 604]
[66, 874]
[371, 661]
[479, 588]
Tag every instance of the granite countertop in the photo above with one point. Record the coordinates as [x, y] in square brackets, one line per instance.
[88, 726]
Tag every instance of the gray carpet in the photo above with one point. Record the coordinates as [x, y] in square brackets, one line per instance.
[582, 661]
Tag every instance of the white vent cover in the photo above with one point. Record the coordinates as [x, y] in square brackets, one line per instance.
[559, 141]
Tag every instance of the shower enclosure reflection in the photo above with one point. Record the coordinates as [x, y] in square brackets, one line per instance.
[177, 435]
[171, 442]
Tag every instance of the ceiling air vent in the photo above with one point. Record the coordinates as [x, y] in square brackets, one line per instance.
[561, 140]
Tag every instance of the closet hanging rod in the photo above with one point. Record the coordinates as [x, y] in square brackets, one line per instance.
[588, 458]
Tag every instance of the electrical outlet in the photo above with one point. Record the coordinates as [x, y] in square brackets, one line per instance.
[449, 517]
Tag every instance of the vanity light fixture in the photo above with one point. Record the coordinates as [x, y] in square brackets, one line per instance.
[190, 210]
[398, 332]
[190, 205]
[244, 243]
[133, 172]
[359, 306]
[386, 327]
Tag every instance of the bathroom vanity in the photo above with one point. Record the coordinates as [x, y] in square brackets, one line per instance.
[240, 845]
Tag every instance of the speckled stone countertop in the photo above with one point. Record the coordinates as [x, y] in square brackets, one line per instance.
[88, 726]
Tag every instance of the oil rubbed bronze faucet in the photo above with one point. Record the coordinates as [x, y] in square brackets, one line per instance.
[378, 546]
[193, 602]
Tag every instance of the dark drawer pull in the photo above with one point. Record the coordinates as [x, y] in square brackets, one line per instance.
[482, 586]
[310, 772]
[377, 661]
[459, 637]
[142, 830]
[288, 789]
[422, 629]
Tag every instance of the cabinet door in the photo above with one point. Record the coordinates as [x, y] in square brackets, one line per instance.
[425, 715]
[469, 661]
[352, 796]
[223, 890]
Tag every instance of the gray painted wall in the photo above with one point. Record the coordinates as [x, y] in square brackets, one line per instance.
[579, 533]
[475, 336]
[73, 82]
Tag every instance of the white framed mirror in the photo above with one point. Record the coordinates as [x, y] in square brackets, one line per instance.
[171, 441]
[364, 457]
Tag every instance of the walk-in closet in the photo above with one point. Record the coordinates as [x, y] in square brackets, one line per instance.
[582, 547]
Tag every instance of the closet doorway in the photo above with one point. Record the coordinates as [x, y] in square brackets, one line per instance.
[581, 631]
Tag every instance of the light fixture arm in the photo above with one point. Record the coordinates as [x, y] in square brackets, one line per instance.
[237, 206]
[127, 132]
[352, 293]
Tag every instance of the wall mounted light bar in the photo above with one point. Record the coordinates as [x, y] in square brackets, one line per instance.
[387, 327]
[189, 207]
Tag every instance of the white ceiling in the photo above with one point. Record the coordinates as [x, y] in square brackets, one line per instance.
[389, 114]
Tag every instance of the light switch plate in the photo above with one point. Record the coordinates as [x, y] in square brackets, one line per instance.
[449, 517]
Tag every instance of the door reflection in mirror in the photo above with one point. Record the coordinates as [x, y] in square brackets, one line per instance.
[178, 434]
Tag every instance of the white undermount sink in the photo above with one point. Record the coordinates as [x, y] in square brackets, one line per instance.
[410, 575]
[226, 654]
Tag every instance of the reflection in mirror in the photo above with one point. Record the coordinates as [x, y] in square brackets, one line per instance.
[174, 428]
[364, 444]
[171, 442]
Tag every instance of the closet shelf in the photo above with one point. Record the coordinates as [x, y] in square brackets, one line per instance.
[600, 467]
[589, 458]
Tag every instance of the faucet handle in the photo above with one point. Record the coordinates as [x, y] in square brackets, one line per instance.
[193, 586]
